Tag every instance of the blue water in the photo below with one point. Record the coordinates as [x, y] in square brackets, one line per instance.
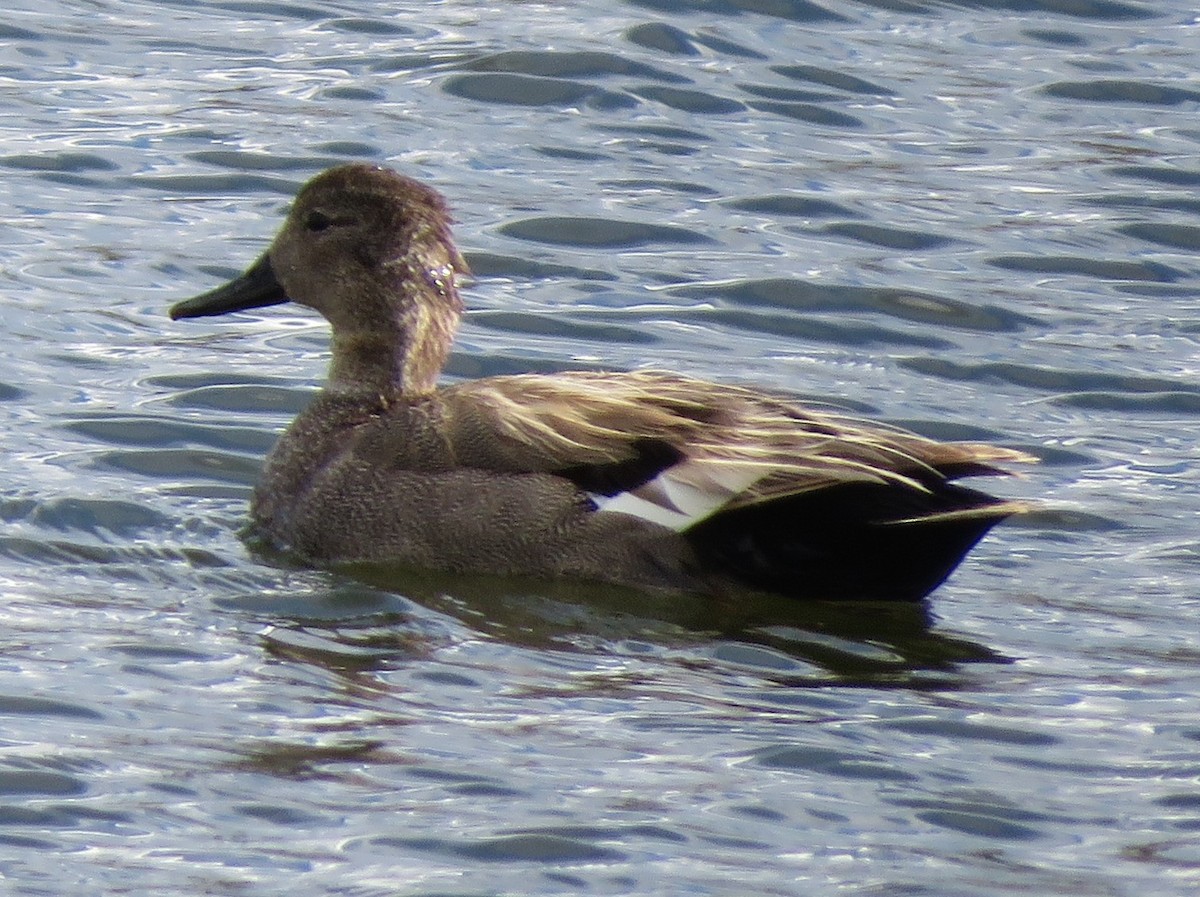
[977, 220]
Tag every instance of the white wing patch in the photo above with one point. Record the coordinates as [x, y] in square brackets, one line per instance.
[683, 495]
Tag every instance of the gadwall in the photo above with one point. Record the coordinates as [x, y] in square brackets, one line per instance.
[645, 479]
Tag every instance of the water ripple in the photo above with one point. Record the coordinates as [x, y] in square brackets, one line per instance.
[790, 205]
[830, 78]
[518, 90]
[1175, 236]
[807, 112]
[1089, 267]
[827, 762]
[1119, 91]
[888, 237]
[1052, 380]
[907, 305]
[567, 65]
[604, 233]
[793, 10]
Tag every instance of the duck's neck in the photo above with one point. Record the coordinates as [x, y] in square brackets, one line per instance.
[398, 336]
[405, 356]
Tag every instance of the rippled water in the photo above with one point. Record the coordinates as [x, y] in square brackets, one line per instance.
[978, 220]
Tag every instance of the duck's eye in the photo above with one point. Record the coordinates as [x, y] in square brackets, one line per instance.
[317, 222]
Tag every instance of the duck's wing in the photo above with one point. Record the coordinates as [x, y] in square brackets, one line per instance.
[676, 450]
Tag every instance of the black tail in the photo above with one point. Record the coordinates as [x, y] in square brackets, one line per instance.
[860, 541]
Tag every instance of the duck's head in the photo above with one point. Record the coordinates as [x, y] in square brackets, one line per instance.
[371, 251]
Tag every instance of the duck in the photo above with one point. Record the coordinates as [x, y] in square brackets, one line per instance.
[643, 479]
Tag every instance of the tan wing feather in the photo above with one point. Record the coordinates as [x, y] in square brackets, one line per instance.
[585, 418]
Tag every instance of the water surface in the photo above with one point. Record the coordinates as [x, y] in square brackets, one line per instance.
[977, 220]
